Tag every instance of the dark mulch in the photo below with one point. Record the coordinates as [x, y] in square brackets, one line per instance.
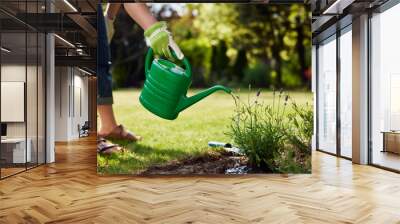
[216, 162]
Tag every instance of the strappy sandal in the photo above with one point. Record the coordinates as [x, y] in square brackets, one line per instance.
[106, 148]
[120, 133]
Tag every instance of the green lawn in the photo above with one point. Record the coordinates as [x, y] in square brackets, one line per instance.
[166, 140]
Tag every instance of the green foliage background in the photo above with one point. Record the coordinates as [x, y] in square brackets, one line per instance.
[231, 44]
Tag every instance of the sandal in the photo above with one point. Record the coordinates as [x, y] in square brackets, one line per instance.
[120, 133]
[106, 148]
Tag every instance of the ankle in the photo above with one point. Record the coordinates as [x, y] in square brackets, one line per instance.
[107, 129]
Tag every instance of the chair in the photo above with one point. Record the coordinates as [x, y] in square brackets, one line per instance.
[84, 129]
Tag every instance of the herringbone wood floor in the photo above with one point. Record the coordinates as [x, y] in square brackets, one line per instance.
[70, 191]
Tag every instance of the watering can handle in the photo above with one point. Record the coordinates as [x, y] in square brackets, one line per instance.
[149, 59]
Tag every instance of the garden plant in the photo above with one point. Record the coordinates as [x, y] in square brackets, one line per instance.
[276, 137]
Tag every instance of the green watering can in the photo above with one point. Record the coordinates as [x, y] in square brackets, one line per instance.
[166, 86]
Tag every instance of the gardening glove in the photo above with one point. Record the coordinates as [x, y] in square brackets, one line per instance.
[160, 39]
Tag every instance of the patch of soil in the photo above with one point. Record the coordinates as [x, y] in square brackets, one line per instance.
[215, 162]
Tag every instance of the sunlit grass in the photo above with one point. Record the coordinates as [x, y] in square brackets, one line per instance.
[166, 140]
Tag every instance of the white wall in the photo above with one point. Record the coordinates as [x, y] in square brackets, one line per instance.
[12, 73]
[33, 127]
[71, 102]
[61, 103]
[16, 73]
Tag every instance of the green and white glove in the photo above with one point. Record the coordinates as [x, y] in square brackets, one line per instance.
[160, 39]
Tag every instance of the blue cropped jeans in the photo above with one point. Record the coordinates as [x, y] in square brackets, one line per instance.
[104, 79]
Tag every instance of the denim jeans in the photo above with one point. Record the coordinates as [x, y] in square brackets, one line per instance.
[104, 79]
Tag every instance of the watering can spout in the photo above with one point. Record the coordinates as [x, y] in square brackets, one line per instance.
[189, 101]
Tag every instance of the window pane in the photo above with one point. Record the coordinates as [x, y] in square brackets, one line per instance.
[327, 96]
[31, 97]
[385, 86]
[346, 94]
[41, 98]
[14, 150]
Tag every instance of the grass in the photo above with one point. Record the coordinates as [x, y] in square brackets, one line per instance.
[164, 140]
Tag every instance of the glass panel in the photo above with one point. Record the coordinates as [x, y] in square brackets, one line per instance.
[327, 96]
[13, 84]
[346, 94]
[32, 97]
[41, 99]
[23, 82]
[385, 89]
[32, 84]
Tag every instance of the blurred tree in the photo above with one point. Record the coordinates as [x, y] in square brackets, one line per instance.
[219, 61]
[226, 43]
[273, 32]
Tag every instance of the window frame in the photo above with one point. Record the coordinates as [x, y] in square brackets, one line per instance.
[339, 32]
[381, 9]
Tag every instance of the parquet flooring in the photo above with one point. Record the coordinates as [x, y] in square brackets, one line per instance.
[11, 170]
[70, 191]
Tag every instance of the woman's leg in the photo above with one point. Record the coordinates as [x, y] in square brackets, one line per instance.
[104, 81]
[108, 124]
[107, 119]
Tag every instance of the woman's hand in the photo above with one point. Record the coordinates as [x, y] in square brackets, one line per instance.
[156, 33]
[160, 39]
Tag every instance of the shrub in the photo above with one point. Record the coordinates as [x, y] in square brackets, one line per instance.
[297, 155]
[275, 137]
[290, 161]
[301, 132]
[258, 130]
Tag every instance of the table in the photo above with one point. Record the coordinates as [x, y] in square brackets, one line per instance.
[17, 151]
[391, 141]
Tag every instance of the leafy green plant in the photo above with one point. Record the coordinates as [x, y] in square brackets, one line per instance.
[291, 161]
[297, 155]
[258, 129]
[275, 137]
[302, 127]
